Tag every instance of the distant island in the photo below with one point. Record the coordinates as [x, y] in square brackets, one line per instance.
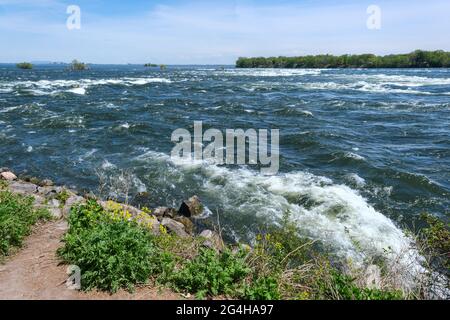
[416, 59]
[78, 66]
[153, 65]
[24, 65]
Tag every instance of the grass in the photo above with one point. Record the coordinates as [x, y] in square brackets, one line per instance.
[17, 216]
[62, 197]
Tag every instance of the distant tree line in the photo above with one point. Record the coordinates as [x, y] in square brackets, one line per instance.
[416, 59]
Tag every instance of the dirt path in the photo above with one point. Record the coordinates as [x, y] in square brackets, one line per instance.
[33, 272]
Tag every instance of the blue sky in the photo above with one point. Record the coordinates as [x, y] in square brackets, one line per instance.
[215, 32]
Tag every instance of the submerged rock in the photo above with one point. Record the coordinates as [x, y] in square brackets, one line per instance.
[175, 227]
[8, 175]
[191, 207]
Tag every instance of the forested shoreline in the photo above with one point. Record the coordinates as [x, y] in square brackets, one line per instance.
[416, 59]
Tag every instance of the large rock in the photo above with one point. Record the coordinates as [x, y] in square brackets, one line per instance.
[174, 227]
[212, 240]
[49, 191]
[165, 212]
[191, 207]
[23, 187]
[72, 200]
[187, 223]
[150, 222]
[8, 175]
[54, 206]
[144, 219]
[46, 183]
[113, 206]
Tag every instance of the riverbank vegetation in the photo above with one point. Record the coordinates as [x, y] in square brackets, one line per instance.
[416, 59]
[116, 252]
[118, 246]
[24, 65]
[17, 216]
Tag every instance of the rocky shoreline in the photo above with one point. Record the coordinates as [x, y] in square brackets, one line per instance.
[58, 200]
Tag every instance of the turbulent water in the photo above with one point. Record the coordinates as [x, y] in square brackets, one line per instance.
[362, 152]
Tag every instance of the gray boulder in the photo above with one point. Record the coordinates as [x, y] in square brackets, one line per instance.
[8, 175]
[49, 191]
[73, 199]
[174, 227]
[212, 240]
[191, 207]
[187, 223]
[165, 212]
[22, 187]
[46, 183]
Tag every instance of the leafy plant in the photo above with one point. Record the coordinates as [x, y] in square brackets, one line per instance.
[111, 254]
[17, 215]
[437, 237]
[264, 288]
[212, 273]
[63, 196]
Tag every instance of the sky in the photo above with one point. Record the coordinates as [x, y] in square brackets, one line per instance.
[215, 32]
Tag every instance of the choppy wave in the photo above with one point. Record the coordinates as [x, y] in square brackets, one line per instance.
[48, 87]
[402, 80]
[269, 72]
[363, 86]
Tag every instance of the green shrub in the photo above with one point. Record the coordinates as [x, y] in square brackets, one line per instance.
[212, 273]
[17, 215]
[437, 239]
[264, 288]
[111, 254]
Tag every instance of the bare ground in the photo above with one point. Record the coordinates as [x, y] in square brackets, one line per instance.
[33, 272]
